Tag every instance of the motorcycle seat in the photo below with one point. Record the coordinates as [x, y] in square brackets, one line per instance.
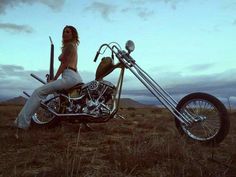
[75, 87]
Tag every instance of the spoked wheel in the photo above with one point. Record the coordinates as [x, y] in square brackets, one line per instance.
[44, 118]
[211, 124]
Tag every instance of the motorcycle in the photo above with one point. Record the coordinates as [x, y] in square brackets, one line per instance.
[198, 116]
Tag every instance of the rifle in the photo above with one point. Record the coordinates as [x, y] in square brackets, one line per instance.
[51, 68]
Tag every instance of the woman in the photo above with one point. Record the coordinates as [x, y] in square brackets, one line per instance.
[70, 77]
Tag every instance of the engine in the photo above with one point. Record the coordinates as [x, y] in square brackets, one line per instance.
[98, 94]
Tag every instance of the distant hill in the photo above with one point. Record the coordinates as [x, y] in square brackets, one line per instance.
[124, 103]
[128, 103]
[15, 101]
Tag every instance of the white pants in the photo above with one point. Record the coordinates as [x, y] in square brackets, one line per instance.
[68, 80]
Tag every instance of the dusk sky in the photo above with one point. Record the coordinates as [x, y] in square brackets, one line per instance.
[185, 45]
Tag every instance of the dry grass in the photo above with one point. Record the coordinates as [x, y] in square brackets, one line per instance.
[146, 144]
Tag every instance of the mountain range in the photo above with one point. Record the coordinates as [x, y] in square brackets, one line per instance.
[124, 102]
[20, 100]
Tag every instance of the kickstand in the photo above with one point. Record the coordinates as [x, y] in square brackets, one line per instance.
[119, 116]
[86, 126]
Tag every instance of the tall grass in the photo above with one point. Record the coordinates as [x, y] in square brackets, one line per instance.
[145, 145]
[73, 160]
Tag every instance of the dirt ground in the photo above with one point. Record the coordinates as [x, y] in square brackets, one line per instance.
[145, 144]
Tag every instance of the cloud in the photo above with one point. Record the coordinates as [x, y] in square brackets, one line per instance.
[173, 3]
[10, 27]
[220, 84]
[14, 79]
[18, 76]
[200, 67]
[208, 84]
[138, 7]
[104, 9]
[53, 4]
[141, 12]
[10, 68]
[145, 13]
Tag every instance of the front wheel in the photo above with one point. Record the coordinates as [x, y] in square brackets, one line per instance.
[211, 123]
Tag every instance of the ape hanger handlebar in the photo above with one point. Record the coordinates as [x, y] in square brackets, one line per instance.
[109, 47]
[119, 53]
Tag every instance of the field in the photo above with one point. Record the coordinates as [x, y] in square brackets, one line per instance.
[145, 144]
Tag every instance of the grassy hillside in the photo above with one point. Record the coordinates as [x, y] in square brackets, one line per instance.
[145, 144]
[14, 101]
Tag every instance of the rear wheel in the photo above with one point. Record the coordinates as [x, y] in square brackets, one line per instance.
[211, 123]
[44, 118]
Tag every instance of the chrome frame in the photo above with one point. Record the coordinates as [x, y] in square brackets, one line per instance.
[162, 95]
[116, 99]
[129, 63]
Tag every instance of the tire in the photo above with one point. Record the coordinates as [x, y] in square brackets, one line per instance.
[44, 118]
[213, 122]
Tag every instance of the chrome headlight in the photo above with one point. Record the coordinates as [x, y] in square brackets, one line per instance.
[130, 46]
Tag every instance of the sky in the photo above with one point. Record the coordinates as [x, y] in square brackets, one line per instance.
[185, 45]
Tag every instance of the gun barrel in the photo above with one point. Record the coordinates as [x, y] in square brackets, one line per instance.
[50, 39]
[51, 68]
[37, 78]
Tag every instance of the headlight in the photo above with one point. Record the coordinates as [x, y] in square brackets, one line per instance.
[130, 46]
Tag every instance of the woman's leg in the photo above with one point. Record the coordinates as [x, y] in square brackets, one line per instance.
[30, 107]
[24, 117]
[69, 79]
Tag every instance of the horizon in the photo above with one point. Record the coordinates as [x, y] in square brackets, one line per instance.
[149, 100]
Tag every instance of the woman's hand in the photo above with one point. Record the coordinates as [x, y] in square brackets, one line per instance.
[50, 80]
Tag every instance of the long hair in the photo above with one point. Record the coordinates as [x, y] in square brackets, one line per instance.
[75, 36]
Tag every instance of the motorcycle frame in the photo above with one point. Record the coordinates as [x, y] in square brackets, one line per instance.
[115, 101]
[127, 62]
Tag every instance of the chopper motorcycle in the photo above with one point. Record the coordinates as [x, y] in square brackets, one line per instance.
[198, 116]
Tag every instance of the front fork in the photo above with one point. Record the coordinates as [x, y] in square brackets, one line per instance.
[157, 91]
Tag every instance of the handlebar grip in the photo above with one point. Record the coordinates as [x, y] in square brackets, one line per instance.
[96, 57]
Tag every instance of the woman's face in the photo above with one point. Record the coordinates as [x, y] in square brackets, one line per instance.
[67, 35]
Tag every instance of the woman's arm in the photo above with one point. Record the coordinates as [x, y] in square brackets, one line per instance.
[59, 71]
[66, 56]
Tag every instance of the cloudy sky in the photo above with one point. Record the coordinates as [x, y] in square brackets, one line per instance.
[185, 45]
